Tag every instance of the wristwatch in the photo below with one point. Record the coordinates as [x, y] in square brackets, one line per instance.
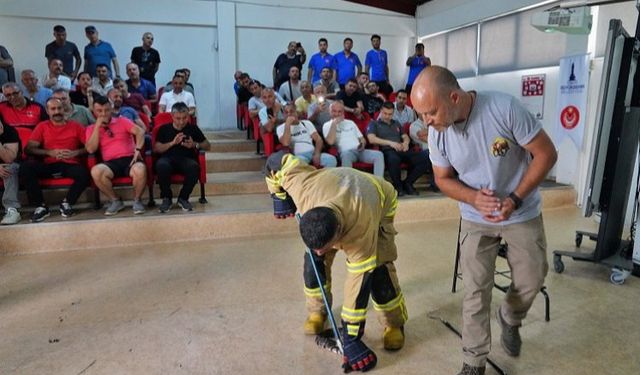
[516, 200]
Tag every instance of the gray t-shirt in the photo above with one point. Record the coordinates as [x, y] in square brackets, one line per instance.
[487, 152]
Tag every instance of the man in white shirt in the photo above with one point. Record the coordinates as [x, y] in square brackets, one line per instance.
[402, 112]
[350, 141]
[303, 139]
[55, 79]
[101, 83]
[168, 99]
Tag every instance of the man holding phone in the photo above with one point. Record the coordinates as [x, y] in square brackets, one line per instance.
[178, 144]
[295, 56]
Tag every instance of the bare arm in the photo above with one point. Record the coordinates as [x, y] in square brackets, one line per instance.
[331, 136]
[285, 139]
[544, 157]
[309, 75]
[76, 70]
[8, 152]
[116, 66]
[317, 141]
[275, 75]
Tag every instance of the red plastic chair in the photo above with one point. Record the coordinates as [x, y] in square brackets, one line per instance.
[161, 119]
[145, 120]
[178, 178]
[53, 182]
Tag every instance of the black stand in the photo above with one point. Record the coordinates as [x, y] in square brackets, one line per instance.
[618, 171]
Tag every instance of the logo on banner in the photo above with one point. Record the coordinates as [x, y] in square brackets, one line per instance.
[569, 117]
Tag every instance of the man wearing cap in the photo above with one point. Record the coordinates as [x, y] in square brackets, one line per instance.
[99, 52]
[65, 51]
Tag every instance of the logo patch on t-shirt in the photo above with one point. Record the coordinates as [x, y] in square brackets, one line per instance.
[500, 147]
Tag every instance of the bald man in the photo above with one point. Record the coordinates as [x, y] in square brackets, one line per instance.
[490, 154]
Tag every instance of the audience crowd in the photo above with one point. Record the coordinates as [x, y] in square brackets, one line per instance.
[85, 123]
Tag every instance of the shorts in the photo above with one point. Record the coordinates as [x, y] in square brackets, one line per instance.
[120, 166]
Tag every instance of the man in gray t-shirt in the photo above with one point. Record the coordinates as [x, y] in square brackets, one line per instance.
[490, 154]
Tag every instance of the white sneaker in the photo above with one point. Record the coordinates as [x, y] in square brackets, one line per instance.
[11, 217]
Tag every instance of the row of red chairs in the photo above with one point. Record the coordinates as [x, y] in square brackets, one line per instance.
[161, 119]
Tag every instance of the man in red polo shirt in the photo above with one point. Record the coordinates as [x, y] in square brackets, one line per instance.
[60, 143]
[120, 155]
[18, 110]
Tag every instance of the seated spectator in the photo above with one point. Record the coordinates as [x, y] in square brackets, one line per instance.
[138, 85]
[55, 79]
[305, 99]
[350, 141]
[118, 110]
[255, 103]
[135, 100]
[101, 83]
[290, 90]
[177, 94]
[352, 99]
[244, 94]
[10, 152]
[60, 143]
[394, 144]
[32, 90]
[419, 134]
[373, 100]
[18, 110]
[73, 112]
[188, 87]
[82, 95]
[326, 79]
[176, 143]
[236, 83]
[121, 157]
[272, 113]
[362, 80]
[303, 139]
[318, 112]
[402, 112]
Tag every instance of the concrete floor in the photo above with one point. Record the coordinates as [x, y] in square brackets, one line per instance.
[236, 307]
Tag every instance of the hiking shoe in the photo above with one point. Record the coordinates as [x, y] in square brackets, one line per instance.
[314, 325]
[393, 338]
[186, 206]
[138, 207]
[40, 214]
[66, 210]
[471, 370]
[114, 207]
[510, 337]
[165, 205]
[12, 216]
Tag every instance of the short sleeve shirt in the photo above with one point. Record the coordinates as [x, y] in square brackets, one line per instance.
[265, 112]
[284, 63]
[300, 136]
[101, 53]
[70, 136]
[117, 142]
[346, 67]
[319, 62]
[349, 101]
[377, 61]
[390, 132]
[146, 88]
[28, 116]
[167, 133]
[347, 135]
[65, 53]
[168, 99]
[487, 151]
[417, 64]
[147, 60]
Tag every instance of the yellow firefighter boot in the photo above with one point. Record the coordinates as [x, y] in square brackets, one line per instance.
[314, 324]
[393, 338]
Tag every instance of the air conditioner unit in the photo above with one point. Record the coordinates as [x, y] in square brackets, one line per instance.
[570, 21]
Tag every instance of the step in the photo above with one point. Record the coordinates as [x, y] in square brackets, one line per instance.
[226, 135]
[225, 216]
[232, 145]
[234, 162]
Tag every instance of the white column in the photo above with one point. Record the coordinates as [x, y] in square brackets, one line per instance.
[226, 111]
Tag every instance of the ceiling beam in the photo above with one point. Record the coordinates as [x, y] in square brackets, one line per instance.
[400, 6]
